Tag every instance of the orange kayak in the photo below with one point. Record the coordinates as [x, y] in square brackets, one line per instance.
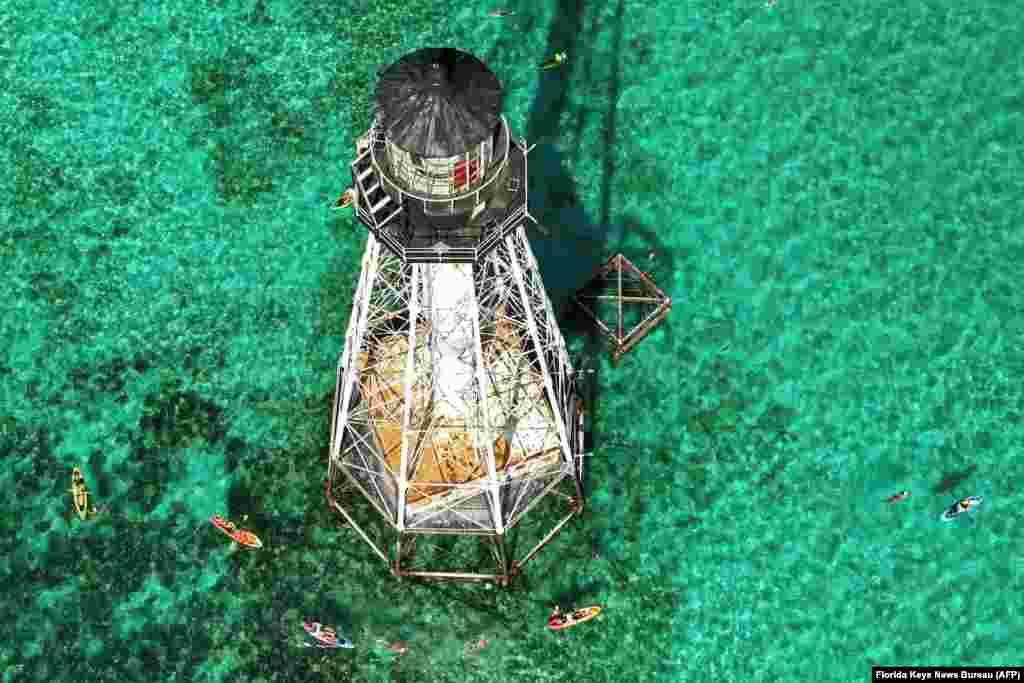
[573, 618]
[79, 493]
[239, 536]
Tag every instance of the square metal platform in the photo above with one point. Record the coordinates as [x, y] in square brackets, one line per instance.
[624, 303]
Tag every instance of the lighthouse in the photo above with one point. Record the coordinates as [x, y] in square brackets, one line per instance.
[456, 411]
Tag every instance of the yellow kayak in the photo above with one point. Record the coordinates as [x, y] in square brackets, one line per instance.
[79, 493]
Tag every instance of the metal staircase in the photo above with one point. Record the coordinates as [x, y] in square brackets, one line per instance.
[376, 208]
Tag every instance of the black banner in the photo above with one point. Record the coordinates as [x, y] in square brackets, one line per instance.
[895, 674]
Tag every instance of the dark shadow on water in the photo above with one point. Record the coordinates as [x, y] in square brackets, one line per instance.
[242, 501]
[951, 481]
[578, 242]
[610, 135]
[575, 595]
[576, 245]
[464, 595]
[563, 36]
[574, 248]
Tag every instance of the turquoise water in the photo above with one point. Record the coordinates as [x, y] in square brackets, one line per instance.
[830, 192]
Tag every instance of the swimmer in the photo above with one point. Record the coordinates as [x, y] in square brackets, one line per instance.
[556, 60]
[500, 13]
[472, 647]
[897, 497]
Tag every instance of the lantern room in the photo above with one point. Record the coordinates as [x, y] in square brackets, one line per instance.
[439, 111]
[438, 177]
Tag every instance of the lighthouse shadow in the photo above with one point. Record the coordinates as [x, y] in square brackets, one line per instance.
[570, 256]
[576, 246]
[579, 242]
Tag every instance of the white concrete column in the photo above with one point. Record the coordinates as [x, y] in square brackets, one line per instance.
[450, 295]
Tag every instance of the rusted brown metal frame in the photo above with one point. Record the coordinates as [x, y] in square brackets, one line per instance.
[348, 518]
[518, 566]
[641, 330]
[601, 273]
[632, 299]
[508, 569]
[501, 578]
[643, 276]
[457, 576]
[618, 271]
[623, 342]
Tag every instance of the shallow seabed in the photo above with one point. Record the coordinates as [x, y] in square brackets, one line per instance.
[830, 192]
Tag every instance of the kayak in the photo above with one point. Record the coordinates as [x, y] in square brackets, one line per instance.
[326, 637]
[344, 200]
[240, 536]
[960, 507]
[322, 646]
[576, 617]
[79, 493]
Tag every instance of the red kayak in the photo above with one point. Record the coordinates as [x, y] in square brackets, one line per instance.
[897, 497]
[563, 621]
[239, 536]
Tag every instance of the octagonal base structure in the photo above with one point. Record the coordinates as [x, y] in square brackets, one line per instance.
[500, 558]
[456, 408]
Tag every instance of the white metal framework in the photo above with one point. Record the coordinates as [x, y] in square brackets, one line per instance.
[455, 407]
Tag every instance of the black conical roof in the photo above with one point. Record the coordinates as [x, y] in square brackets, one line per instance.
[438, 102]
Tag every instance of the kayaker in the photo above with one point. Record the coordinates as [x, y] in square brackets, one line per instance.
[961, 506]
[897, 497]
[345, 199]
[557, 618]
[554, 60]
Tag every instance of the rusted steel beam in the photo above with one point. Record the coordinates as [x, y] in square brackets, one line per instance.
[456, 576]
[544, 541]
